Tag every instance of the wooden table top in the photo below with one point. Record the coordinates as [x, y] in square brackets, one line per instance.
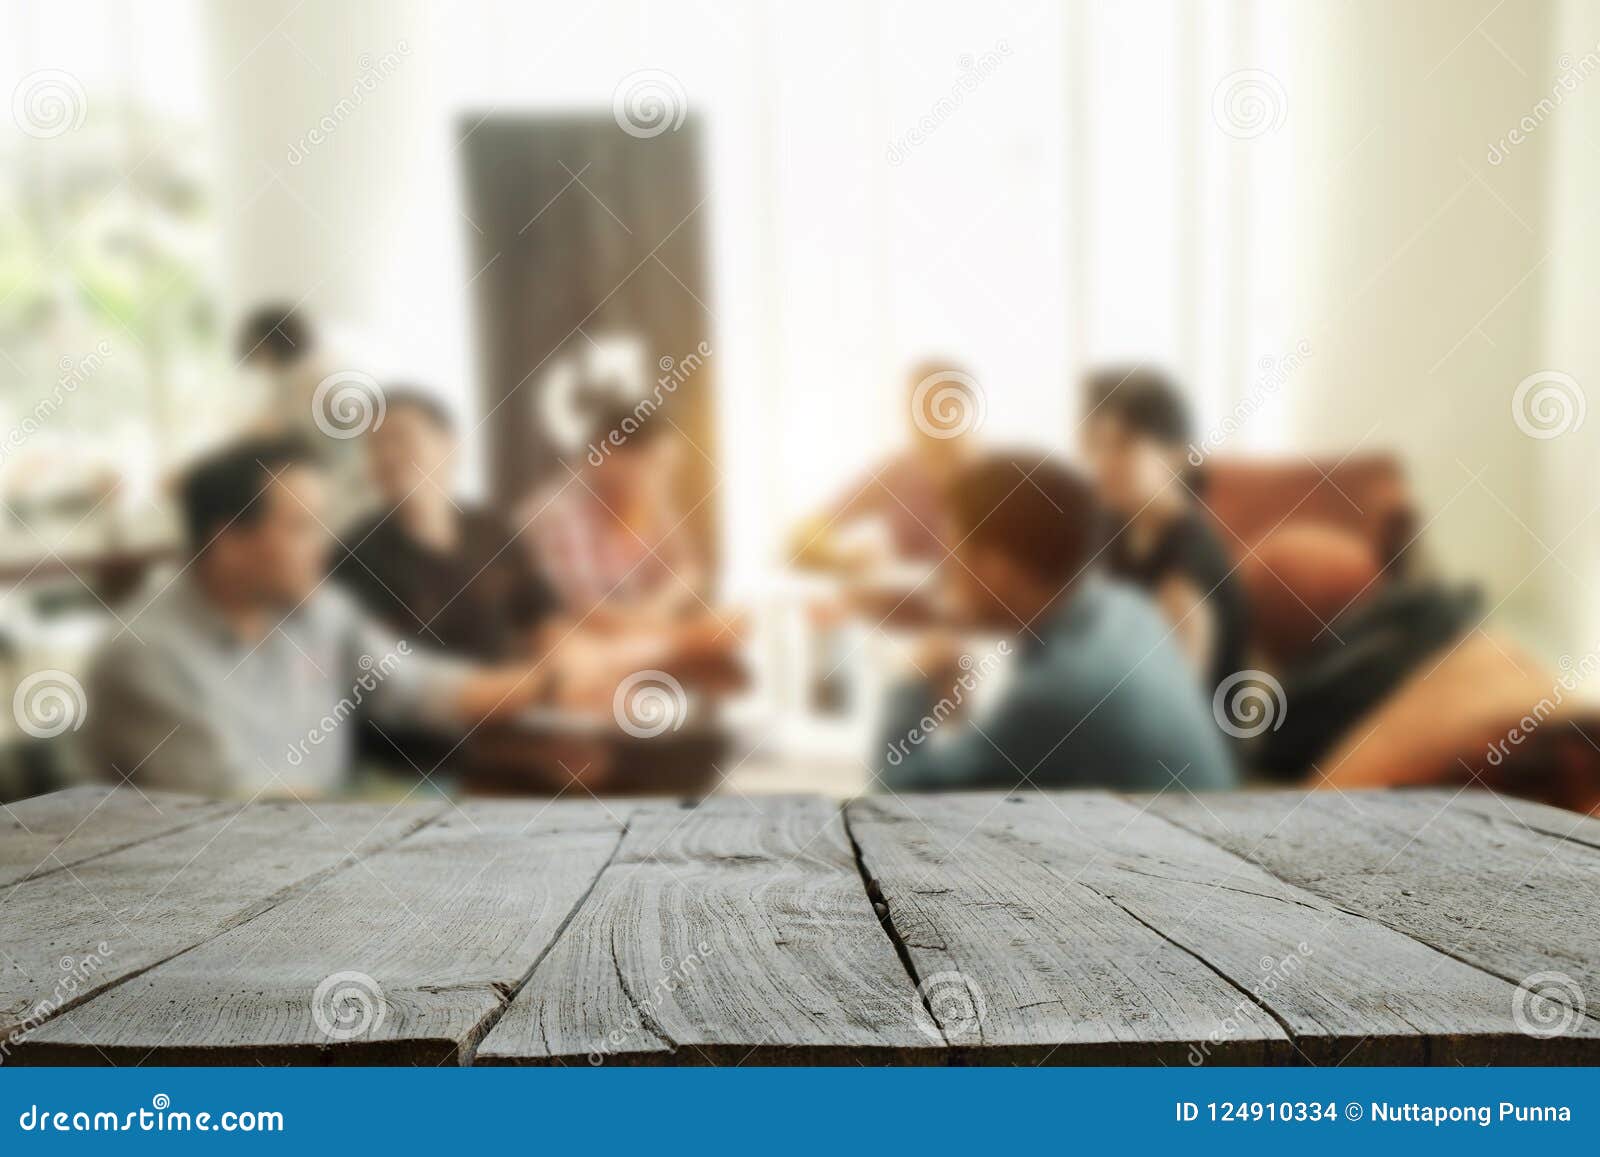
[1062, 928]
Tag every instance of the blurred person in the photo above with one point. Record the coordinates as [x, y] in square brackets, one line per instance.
[610, 536]
[1136, 434]
[1099, 696]
[623, 559]
[237, 676]
[315, 384]
[448, 576]
[275, 339]
[904, 496]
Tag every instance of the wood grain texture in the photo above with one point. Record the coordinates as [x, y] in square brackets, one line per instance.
[1073, 927]
[149, 902]
[50, 832]
[404, 958]
[1482, 887]
[1347, 989]
[737, 932]
[1541, 817]
[1024, 959]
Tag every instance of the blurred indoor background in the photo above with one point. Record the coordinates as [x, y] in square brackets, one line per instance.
[1361, 235]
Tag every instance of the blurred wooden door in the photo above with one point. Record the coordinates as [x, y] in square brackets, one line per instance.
[592, 247]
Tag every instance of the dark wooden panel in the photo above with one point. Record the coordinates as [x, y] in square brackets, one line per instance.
[592, 246]
[1480, 887]
[405, 958]
[51, 832]
[738, 932]
[1024, 958]
[148, 903]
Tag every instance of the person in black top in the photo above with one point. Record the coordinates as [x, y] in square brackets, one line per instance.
[1136, 432]
[454, 579]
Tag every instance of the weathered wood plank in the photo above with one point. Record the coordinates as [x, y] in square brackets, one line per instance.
[405, 958]
[129, 910]
[1349, 990]
[50, 832]
[737, 932]
[1485, 889]
[1541, 817]
[1024, 957]
[1070, 927]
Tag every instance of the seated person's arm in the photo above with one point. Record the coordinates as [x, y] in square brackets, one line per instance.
[816, 542]
[493, 692]
[407, 682]
[1194, 621]
[997, 751]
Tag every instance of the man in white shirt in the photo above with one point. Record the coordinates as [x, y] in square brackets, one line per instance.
[243, 673]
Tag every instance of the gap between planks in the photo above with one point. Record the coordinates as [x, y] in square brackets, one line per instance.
[469, 1047]
[885, 914]
[1530, 820]
[247, 914]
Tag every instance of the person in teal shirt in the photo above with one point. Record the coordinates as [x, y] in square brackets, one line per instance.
[1099, 695]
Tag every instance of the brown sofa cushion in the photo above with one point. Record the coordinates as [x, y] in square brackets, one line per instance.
[1301, 577]
[1452, 722]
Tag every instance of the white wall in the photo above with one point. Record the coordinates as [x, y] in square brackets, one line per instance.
[1416, 263]
[1570, 581]
[363, 226]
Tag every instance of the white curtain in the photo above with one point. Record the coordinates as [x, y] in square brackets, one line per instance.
[1025, 189]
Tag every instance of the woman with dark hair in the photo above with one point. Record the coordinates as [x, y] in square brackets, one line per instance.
[1136, 432]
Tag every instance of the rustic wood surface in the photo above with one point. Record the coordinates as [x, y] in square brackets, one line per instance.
[737, 932]
[52, 832]
[75, 933]
[1475, 882]
[1056, 928]
[445, 925]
